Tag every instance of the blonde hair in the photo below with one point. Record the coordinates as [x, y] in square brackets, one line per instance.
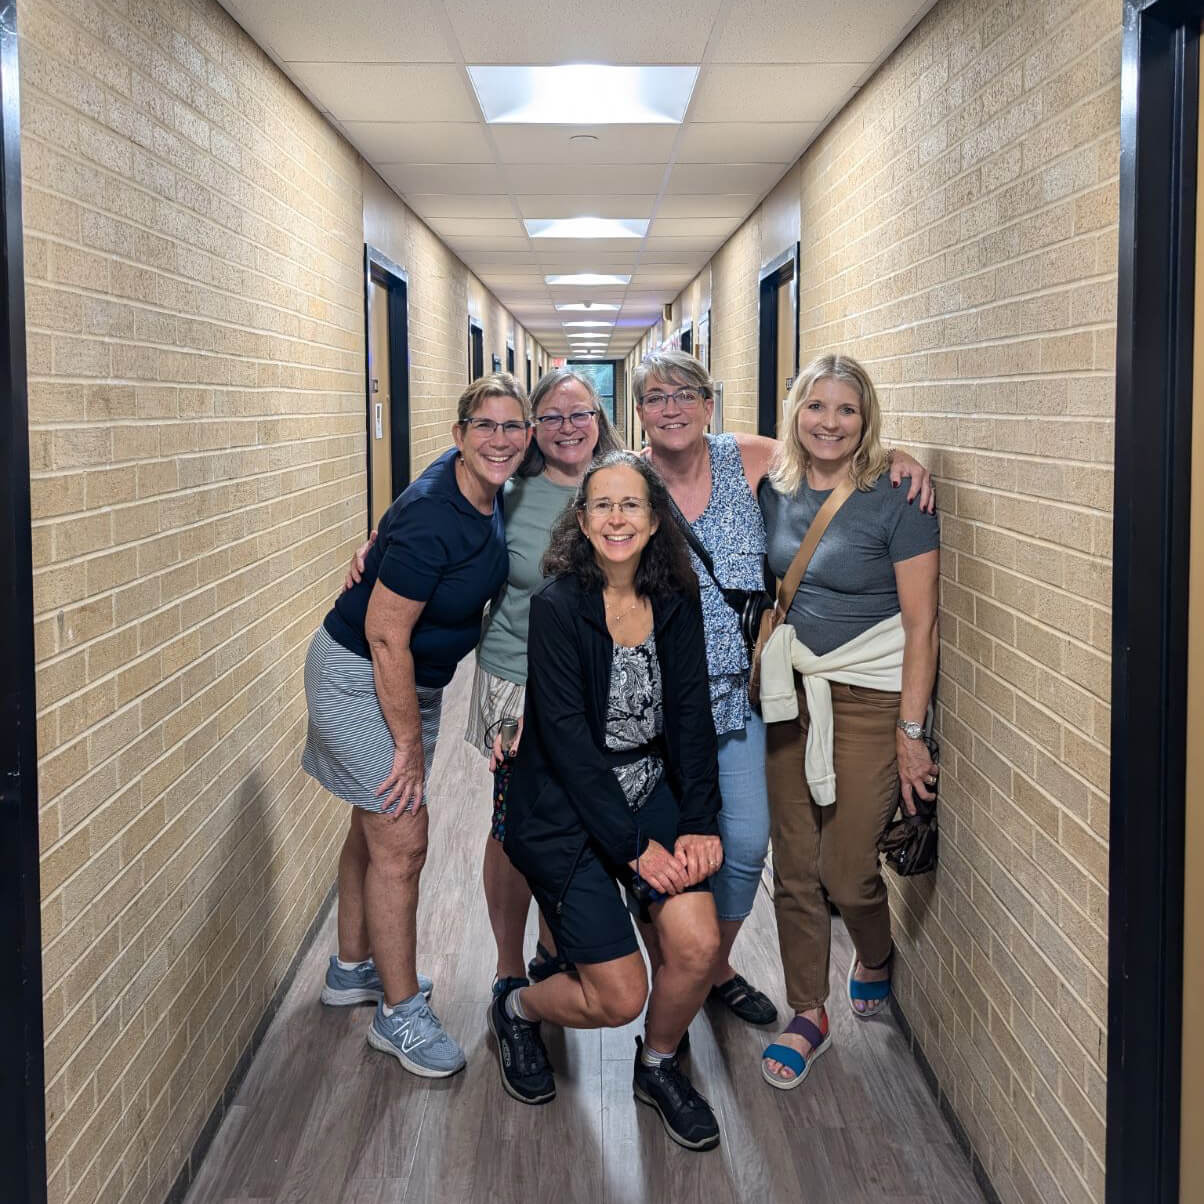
[869, 462]
[498, 384]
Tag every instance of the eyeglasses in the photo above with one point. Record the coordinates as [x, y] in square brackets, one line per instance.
[628, 507]
[485, 428]
[685, 399]
[555, 422]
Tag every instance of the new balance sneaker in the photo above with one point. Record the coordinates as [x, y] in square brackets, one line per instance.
[686, 1115]
[361, 984]
[414, 1036]
[522, 1059]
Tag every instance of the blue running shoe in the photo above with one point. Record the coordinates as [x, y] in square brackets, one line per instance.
[359, 985]
[414, 1036]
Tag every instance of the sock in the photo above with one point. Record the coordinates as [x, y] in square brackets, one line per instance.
[653, 1057]
[352, 965]
[389, 1008]
[514, 1007]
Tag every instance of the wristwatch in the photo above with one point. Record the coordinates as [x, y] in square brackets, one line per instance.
[910, 728]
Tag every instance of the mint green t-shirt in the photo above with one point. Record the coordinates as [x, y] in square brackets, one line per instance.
[532, 506]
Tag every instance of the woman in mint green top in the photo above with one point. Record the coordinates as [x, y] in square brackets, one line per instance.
[570, 428]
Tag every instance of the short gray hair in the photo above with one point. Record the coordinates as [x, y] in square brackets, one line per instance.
[673, 367]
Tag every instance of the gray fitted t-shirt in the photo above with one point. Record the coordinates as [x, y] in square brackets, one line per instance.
[850, 582]
[532, 505]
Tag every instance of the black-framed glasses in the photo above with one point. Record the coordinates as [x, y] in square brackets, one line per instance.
[555, 422]
[485, 428]
[684, 399]
[628, 507]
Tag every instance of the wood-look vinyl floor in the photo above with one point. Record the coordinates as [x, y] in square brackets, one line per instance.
[321, 1118]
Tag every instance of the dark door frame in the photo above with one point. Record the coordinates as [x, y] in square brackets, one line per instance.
[379, 268]
[22, 1069]
[1154, 351]
[476, 349]
[511, 362]
[686, 336]
[780, 269]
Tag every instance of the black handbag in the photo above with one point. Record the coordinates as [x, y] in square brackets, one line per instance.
[909, 844]
[749, 605]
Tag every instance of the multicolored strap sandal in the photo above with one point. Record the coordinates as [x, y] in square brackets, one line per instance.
[820, 1040]
[873, 994]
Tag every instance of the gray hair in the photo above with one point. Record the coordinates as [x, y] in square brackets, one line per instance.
[533, 462]
[674, 367]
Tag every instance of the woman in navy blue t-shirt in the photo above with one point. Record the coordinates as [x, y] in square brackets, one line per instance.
[374, 678]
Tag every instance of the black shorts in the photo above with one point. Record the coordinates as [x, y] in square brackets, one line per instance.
[591, 922]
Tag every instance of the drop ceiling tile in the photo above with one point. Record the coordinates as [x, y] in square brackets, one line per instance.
[365, 31]
[579, 205]
[441, 204]
[388, 91]
[611, 144]
[773, 31]
[784, 92]
[456, 228]
[745, 141]
[708, 178]
[679, 227]
[601, 179]
[580, 31]
[503, 260]
[488, 242]
[476, 178]
[731, 204]
[420, 141]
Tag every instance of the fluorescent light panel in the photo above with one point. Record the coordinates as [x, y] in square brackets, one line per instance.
[587, 278]
[583, 94]
[587, 227]
[586, 306]
[606, 325]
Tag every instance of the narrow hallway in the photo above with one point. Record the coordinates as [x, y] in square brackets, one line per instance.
[323, 1119]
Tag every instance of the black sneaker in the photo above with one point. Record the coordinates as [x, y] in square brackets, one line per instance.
[522, 1059]
[503, 986]
[687, 1117]
[751, 1005]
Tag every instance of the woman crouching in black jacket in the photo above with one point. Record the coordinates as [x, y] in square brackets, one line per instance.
[616, 781]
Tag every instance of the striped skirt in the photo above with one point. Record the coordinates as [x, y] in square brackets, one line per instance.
[348, 746]
[493, 699]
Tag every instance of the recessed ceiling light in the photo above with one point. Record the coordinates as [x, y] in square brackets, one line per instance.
[587, 227]
[584, 94]
[607, 324]
[587, 278]
[592, 306]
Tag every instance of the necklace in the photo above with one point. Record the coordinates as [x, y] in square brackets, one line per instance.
[623, 613]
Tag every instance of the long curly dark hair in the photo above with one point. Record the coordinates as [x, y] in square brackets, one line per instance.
[664, 567]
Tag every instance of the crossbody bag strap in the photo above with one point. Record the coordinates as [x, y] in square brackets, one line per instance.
[802, 558]
[691, 537]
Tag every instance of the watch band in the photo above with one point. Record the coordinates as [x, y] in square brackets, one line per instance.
[912, 729]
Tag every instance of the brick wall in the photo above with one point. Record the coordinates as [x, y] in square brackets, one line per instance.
[959, 235]
[194, 236]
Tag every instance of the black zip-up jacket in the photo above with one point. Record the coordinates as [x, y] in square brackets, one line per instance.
[563, 792]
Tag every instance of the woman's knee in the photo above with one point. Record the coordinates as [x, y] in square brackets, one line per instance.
[617, 1001]
[692, 950]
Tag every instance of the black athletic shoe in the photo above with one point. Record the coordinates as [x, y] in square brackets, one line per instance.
[687, 1117]
[522, 1059]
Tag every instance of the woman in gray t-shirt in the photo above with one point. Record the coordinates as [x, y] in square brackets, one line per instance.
[865, 634]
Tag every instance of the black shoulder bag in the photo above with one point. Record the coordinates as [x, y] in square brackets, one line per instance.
[749, 605]
[909, 843]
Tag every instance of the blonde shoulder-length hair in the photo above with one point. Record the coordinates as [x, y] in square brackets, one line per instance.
[869, 462]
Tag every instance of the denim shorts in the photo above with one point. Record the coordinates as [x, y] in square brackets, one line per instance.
[743, 819]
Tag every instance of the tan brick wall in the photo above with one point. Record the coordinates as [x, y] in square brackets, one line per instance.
[959, 235]
[194, 238]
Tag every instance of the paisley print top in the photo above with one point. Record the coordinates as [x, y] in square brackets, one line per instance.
[635, 717]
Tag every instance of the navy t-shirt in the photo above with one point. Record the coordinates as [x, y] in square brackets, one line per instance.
[433, 546]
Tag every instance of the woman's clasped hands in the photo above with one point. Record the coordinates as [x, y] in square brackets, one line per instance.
[693, 859]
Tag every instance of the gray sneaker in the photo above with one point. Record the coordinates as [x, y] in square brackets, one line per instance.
[414, 1036]
[359, 985]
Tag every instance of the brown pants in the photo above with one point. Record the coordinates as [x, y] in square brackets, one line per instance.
[822, 853]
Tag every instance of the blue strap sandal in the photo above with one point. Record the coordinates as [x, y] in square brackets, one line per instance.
[820, 1041]
[873, 994]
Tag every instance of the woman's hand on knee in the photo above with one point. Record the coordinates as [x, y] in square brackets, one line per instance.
[660, 869]
[402, 789]
[699, 856]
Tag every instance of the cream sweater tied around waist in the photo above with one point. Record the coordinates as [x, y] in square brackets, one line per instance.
[873, 660]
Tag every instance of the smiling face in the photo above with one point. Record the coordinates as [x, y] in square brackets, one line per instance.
[567, 448]
[829, 423]
[491, 457]
[617, 519]
[673, 427]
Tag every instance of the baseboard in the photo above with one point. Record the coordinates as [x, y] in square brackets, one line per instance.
[200, 1147]
[955, 1125]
